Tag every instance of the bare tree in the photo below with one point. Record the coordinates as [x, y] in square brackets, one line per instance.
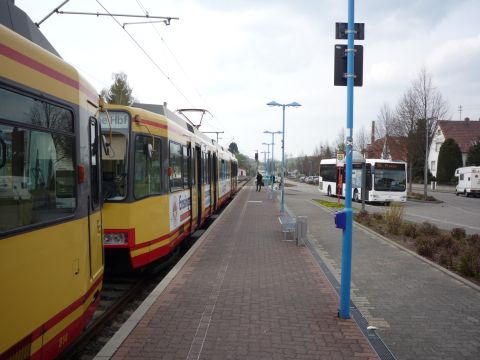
[385, 121]
[340, 140]
[429, 100]
[361, 140]
[407, 115]
[431, 107]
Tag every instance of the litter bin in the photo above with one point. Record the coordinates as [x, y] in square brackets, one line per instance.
[301, 229]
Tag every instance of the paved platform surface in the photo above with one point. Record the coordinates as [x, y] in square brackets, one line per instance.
[421, 312]
[244, 293]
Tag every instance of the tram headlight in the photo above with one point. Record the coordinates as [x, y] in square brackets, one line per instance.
[115, 239]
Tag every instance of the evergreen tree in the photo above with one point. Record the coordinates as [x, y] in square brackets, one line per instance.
[233, 148]
[473, 157]
[449, 159]
[119, 93]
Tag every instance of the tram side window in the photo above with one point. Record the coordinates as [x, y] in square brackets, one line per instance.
[185, 172]
[148, 174]
[37, 177]
[176, 178]
[224, 170]
[208, 170]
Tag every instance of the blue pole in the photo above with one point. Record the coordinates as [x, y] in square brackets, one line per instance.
[283, 161]
[347, 232]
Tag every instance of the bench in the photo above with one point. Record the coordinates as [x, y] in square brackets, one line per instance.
[288, 225]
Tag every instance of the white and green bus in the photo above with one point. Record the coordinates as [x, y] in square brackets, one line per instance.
[385, 180]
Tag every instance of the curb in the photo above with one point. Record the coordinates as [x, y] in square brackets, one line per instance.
[426, 201]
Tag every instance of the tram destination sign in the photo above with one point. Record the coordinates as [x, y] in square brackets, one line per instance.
[119, 119]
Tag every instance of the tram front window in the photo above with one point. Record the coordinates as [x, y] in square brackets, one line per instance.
[114, 167]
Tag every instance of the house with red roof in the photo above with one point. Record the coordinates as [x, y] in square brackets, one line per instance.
[389, 147]
[465, 133]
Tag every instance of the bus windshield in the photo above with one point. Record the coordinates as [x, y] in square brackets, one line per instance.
[389, 177]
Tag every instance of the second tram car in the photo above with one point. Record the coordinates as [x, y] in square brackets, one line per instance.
[161, 179]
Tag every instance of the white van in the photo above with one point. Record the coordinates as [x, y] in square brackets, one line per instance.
[468, 181]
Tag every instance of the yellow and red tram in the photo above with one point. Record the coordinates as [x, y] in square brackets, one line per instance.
[51, 256]
[162, 178]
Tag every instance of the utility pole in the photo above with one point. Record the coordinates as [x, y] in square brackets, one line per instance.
[213, 132]
[460, 108]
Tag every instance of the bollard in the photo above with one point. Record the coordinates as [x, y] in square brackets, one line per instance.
[269, 193]
[301, 228]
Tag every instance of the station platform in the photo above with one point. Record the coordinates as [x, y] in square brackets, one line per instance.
[243, 291]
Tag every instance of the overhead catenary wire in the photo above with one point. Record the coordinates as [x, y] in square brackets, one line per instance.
[142, 7]
[170, 51]
[147, 55]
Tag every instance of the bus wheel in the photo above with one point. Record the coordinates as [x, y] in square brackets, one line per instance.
[329, 191]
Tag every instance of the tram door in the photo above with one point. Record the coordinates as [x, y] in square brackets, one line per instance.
[94, 206]
[215, 180]
[199, 163]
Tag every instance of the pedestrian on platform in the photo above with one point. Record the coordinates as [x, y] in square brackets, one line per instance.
[259, 181]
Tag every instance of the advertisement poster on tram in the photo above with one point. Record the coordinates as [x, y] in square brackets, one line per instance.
[179, 209]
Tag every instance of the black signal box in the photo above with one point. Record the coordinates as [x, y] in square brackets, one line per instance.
[340, 78]
[341, 31]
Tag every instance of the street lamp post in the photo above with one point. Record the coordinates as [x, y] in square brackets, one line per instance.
[293, 104]
[273, 158]
[267, 163]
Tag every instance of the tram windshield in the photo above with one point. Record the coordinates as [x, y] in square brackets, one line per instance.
[115, 155]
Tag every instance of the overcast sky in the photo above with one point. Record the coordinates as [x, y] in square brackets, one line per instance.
[233, 56]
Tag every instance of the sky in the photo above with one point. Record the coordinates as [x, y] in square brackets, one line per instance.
[232, 57]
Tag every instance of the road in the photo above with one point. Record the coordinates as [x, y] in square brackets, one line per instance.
[454, 211]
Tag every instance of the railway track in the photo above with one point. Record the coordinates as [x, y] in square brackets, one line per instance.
[115, 295]
[120, 297]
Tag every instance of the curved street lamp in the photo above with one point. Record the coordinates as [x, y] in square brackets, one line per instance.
[292, 104]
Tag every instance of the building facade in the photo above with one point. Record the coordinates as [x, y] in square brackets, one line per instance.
[465, 133]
